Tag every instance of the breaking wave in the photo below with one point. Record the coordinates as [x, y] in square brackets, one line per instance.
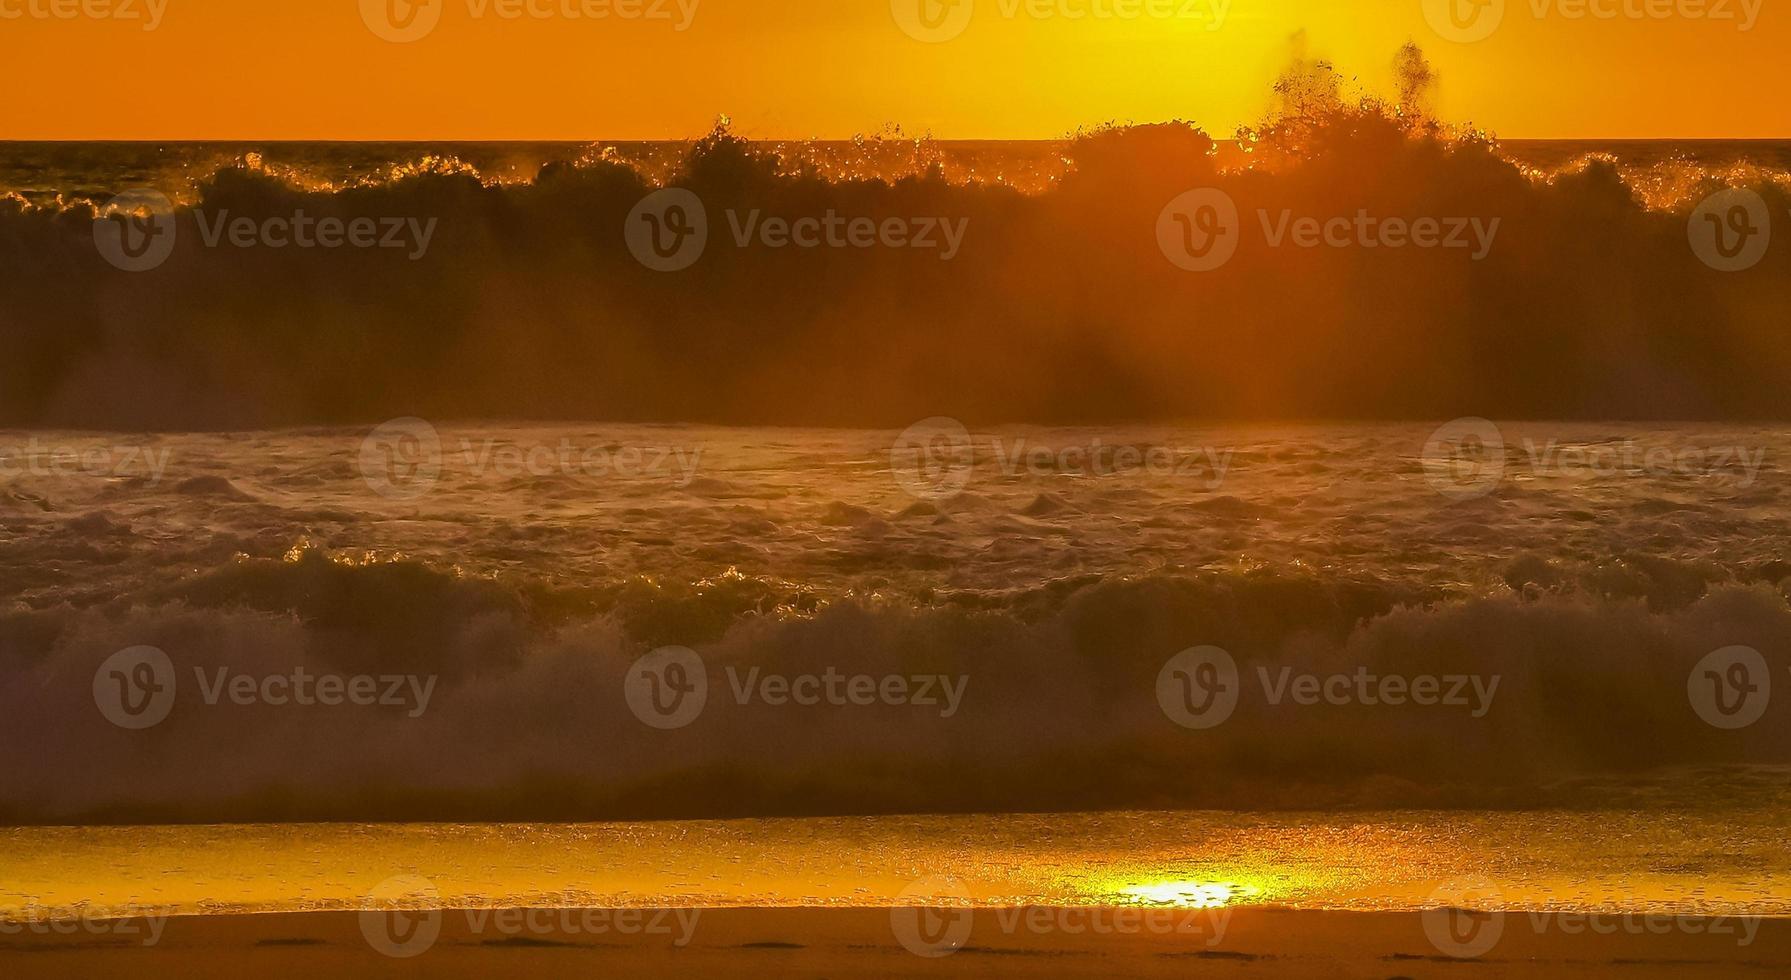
[1058, 305]
[1056, 707]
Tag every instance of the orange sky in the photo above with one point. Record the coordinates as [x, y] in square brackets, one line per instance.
[312, 69]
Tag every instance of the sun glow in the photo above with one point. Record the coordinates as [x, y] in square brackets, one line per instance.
[847, 68]
[1191, 894]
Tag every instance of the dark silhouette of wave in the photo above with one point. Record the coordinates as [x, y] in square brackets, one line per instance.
[1059, 306]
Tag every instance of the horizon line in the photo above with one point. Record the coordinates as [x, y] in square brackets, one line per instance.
[786, 139]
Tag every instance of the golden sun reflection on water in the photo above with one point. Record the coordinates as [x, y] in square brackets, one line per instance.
[1192, 894]
[1722, 861]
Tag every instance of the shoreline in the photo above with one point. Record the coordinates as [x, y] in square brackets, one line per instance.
[836, 942]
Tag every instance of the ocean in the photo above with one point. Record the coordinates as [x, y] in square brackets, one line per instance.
[986, 619]
[1316, 577]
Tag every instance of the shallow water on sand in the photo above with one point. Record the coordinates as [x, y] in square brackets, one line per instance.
[1692, 862]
